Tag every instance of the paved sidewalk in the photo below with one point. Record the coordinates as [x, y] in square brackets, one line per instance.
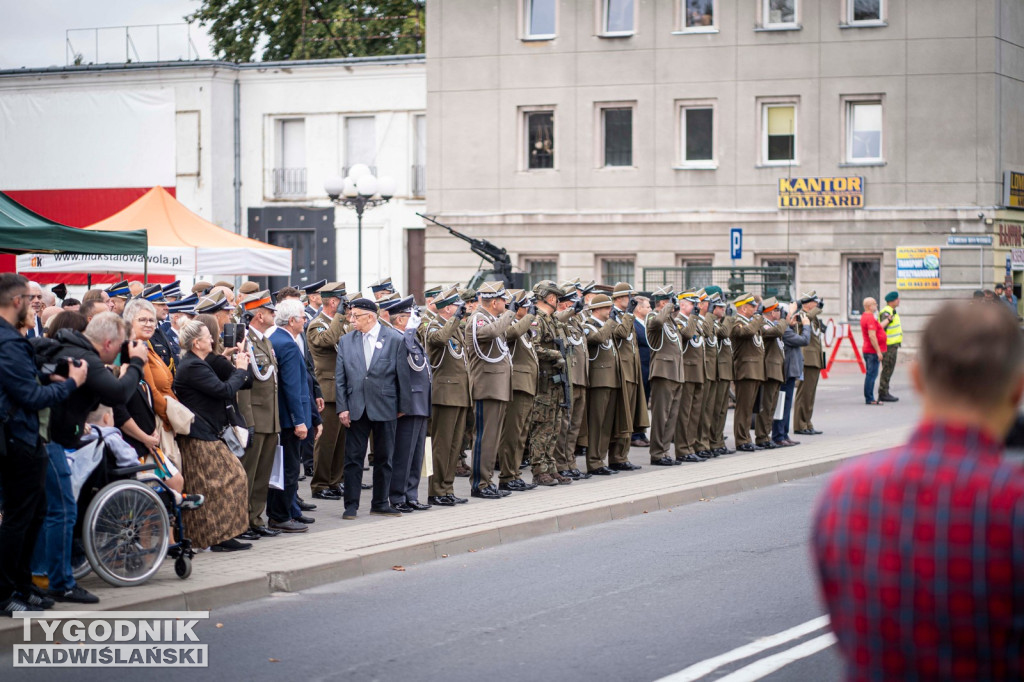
[335, 549]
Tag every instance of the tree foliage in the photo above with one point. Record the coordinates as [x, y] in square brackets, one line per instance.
[273, 30]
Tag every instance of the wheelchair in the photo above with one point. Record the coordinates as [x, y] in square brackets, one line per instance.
[124, 524]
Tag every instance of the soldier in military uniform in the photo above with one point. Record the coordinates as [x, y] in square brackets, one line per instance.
[748, 367]
[632, 406]
[666, 374]
[382, 289]
[689, 323]
[323, 334]
[313, 301]
[605, 383]
[774, 359]
[258, 405]
[549, 411]
[462, 469]
[490, 379]
[702, 447]
[449, 395]
[723, 330]
[524, 387]
[573, 436]
[814, 362]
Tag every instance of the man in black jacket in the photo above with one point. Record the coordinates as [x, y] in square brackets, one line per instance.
[23, 458]
[97, 347]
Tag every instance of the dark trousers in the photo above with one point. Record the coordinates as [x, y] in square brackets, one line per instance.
[871, 362]
[355, 454]
[407, 464]
[281, 503]
[306, 449]
[23, 472]
[780, 427]
[888, 365]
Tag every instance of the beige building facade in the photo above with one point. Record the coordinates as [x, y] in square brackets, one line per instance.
[610, 138]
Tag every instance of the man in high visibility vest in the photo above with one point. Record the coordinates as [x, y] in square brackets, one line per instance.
[890, 320]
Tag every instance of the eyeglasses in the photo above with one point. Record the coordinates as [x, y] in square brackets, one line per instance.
[359, 314]
[36, 297]
[145, 320]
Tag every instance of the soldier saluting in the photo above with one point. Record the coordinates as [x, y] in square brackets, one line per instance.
[748, 367]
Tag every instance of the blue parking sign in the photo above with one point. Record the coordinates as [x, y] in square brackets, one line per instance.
[736, 243]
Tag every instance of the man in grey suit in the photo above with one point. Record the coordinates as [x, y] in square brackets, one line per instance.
[372, 392]
[795, 338]
[411, 431]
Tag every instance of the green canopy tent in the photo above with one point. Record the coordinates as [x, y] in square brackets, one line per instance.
[24, 231]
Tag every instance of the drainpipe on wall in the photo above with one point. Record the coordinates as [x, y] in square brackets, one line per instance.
[238, 167]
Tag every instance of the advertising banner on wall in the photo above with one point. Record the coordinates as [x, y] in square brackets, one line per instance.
[918, 267]
[1013, 189]
[821, 192]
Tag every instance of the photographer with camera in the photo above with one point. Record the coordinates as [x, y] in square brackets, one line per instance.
[795, 338]
[23, 456]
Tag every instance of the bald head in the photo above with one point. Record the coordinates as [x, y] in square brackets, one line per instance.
[870, 305]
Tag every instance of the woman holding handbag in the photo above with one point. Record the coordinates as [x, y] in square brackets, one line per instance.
[208, 466]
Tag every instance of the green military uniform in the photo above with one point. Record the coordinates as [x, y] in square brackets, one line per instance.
[814, 362]
[323, 334]
[450, 401]
[723, 330]
[748, 370]
[605, 385]
[524, 388]
[548, 421]
[774, 362]
[703, 447]
[893, 339]
[666, 375]
[692, 396]
[632, 407]
[574, 430]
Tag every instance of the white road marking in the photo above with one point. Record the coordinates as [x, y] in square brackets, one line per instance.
[699, 670]
[766, 666]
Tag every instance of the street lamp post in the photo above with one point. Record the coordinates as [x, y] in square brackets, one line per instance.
[359, 190]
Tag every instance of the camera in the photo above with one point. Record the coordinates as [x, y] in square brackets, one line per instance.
[233, 334]
[59, 367]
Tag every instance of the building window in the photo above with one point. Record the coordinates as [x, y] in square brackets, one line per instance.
[615, 270]
[778, 134]
[697, 135]
[419, 155]
[698, 16]
[863, 279]
[540, 139]
[290, 164]
[863, 132]
[617, 17]
[360, 142]
[780, 280]
[779, 14]
[541, 269]
[617, 136]
[868, 12]
[539, 19]
[697, 273]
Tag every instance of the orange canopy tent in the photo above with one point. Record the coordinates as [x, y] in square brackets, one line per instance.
[180, 243]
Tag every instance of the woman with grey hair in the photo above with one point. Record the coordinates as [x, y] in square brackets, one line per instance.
[208, 466]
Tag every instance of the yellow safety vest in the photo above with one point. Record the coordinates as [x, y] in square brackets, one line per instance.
[894, 332]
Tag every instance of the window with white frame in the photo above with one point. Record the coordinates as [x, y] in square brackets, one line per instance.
[697, 134]
[539, 135]
[360, 141]
[779, 14]
[778, 133]
[289, 175]
[539, 19]
[419, 155]
[865, 12]
[863, 280]
[617, 17]
[698, 15]
[863, 131]
[616, 135]
[617, 269]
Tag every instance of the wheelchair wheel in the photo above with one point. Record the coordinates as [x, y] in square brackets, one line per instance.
[126, 533]
[80, 567]
[183, 567]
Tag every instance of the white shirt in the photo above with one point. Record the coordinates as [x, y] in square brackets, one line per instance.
[369, 341]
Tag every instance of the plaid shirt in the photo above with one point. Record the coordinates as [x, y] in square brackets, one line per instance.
[920, 552]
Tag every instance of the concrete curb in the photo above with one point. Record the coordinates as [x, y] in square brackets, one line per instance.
[352, 564]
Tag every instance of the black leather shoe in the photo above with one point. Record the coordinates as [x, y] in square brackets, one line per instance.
[624, 466]
[338, 490]
[580, 475]
[266, 532]
[308, 470]
[442, 501]
[385, 511]
[306, 506]
[746, 447]
[524, 486]
[249, 535]
[569, 474]
[706, 454]
[366, 486]
[403, 507]
[888, 398]
[690, 457]
[503, 493]
[417, 505]
[601, 471]
[815, 432]
[457, 500]
[487, 493]
[327, 494]
[803, 432]
[766, 445]
[302, 477]
[525, 464]
[510, 486]
[304, 519]
[663, 462]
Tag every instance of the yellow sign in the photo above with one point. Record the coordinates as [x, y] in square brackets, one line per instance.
[1013, 189]
[917, 267]
[821, 192]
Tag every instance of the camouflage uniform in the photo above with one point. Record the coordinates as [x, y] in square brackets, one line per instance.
[547, 416]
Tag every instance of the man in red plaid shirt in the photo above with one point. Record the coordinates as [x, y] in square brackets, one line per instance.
[920, 549]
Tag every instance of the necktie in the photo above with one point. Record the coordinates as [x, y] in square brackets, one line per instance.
[368, 349]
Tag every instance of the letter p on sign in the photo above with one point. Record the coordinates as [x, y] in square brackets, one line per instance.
[736, 243]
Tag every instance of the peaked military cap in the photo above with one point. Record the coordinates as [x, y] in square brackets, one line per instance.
[600, 301]
[382, 285]
[248, 287]
[212, 303]
[447, 298]
[332, 290]
[490, 290]
[622, 289]
[153, 294]
[259, 299]
[173, 290]
[119, 290]
[743, 299]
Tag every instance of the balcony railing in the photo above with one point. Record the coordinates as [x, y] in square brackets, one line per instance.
[419, 181]
[289, 182]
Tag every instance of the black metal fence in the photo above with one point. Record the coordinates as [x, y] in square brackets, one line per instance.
[765, 281]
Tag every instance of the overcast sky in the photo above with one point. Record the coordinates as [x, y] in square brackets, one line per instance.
[32, 32]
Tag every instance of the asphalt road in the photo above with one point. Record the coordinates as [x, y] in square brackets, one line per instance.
[636, 599]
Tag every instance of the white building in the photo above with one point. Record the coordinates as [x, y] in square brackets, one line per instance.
[246, 146]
